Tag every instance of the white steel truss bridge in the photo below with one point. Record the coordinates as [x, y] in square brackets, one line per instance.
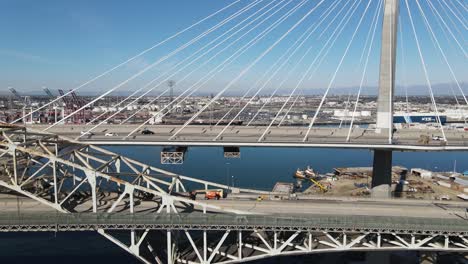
[79, 187]
[222, 238]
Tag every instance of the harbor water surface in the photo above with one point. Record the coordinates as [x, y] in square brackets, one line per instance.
[257, 168]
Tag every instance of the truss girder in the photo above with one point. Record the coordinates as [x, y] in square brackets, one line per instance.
[72, 177]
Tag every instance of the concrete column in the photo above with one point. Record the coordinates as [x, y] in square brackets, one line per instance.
[387, 66]
[382, 174]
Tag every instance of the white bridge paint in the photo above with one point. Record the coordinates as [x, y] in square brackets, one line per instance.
[276, 144]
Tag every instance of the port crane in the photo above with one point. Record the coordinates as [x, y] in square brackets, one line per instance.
[52, 97]
[49, 93]
[78, 103]
[72, 103]
[26, 101]
[65, 99]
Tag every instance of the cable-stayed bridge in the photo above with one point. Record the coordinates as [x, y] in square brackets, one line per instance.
[60, 169]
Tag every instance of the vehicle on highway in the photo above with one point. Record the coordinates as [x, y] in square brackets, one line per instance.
[210, 195]
[87, 133]
[111, 134]
[147, 132]
[437, 138]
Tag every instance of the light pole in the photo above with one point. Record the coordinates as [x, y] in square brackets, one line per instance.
[227, 173]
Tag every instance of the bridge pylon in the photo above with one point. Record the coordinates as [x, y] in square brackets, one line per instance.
[387, 66]
[382, 166]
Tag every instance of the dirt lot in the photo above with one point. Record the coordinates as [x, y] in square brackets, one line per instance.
[405, 186]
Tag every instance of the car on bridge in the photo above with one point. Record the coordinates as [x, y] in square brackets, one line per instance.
[87, 133]
[111, 134]
[147, 132]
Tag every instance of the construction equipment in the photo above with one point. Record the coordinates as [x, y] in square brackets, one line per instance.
[318, 184]
[213, 195]
[210, 194]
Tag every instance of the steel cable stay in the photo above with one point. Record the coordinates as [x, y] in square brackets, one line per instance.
[345, 109]
[329, 9]
[436, 40]
[462, 5]
[159, 61]
[433, 41]
[301, 92]
[322, 56]
[216, 97]
[458, 11]
[184, 63]
[290, 107]
[243, 72]
[369, 51]
[219, 52]
[230, 44]
[426, 75]
[267, 73]
[323, 17]
[335, 35]
[231, 108]
[246, 47]
[453, 21]
[403, 64]
[310, 30]
[130, 59]
[271, 76]
[327, 51]
[360, 62]
[288, 75]
[336, 72]
[455, 14]
[193, 88]
[238, 103]
[447, 26]
[368, 43]
[452, 45]
[228, 60]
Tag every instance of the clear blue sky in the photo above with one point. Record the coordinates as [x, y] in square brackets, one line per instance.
[63, 43]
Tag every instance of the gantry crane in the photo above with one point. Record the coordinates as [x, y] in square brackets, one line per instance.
[26, 100]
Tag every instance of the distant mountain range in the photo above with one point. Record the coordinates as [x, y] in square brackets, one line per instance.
[441, 89]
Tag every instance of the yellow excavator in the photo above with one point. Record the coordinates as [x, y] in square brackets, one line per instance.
[318, 184]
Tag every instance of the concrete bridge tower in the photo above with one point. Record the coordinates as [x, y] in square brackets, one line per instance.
[382, 167]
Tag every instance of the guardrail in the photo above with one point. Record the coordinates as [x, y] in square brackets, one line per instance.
[329, 223]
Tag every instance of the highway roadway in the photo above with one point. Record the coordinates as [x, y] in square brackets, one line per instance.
[334, 207]
[202, 135]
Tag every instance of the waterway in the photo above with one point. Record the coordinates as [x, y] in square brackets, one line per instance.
[258, 168]
[261, 168]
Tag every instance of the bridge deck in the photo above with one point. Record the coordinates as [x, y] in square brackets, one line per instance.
[23, 213]
[89, 221]
[202, 135]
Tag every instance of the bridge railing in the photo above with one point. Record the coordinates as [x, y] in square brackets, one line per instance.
[239, 222]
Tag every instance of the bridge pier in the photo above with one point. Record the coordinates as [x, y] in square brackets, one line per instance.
[382, 174]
